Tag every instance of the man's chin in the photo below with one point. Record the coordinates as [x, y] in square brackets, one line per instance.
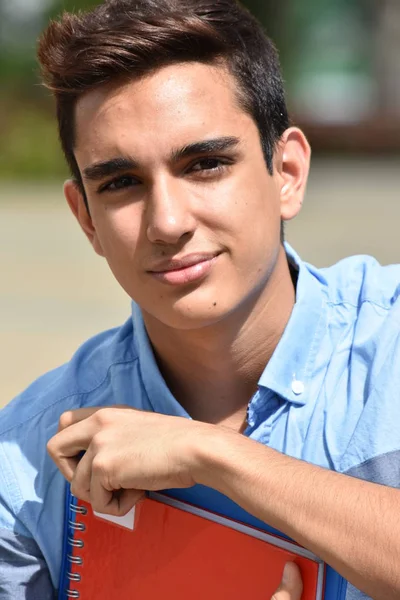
[186, 318]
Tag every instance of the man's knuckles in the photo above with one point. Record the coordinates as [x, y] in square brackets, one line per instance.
[66, 419]
[102, 467]
[112, 415]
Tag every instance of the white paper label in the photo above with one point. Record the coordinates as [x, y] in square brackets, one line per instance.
[127, 521]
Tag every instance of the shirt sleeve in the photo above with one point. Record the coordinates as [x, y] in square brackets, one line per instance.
[373, 452]
[24, 574]
[23, 570]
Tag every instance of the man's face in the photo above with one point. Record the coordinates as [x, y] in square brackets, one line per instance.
[181, 203]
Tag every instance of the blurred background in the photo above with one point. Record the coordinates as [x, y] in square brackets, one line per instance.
[341, 63]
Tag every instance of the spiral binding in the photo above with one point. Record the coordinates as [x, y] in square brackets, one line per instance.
[74, 542]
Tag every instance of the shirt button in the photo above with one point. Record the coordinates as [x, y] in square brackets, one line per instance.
[297, 387]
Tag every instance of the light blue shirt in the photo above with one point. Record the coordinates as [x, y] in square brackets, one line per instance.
[329, 395]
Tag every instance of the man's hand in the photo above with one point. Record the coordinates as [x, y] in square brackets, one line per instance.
[110, 455]
[127, 451]
[291, 586]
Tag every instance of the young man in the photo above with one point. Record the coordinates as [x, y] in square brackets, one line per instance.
[241, 368]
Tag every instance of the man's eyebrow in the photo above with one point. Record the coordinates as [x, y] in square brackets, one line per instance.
[99, 170]
[206, 147]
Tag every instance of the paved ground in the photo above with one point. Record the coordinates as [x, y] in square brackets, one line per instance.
[55, 292]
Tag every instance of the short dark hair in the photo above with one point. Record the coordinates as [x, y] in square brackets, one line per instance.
[132, 38]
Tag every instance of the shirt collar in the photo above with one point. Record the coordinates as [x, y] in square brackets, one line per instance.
[289, 371]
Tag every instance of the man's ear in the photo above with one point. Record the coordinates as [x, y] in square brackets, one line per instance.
[76, 202]
[293, 164]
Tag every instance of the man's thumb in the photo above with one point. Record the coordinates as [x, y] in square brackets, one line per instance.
[291, 586]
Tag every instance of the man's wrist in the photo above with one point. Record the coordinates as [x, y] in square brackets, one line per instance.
[215, 456]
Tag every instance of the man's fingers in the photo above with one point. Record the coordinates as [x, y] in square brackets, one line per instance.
[80, 482]
[117, 503]
[67, 466]
[88, 484]
[291, 586]
[70, 417]
[127, 499]
[76, 429]
[66, 447]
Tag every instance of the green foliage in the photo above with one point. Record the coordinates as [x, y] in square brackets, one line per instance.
[30, 148]
[59, 6]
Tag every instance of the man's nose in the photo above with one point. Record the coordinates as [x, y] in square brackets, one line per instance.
[168, 212]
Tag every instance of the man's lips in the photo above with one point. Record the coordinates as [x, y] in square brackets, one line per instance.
[187, 269]
[174, 264]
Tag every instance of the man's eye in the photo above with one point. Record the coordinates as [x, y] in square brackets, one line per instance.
[208, 164]
[119, 184]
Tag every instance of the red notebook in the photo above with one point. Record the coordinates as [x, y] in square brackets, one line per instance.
[177, 551]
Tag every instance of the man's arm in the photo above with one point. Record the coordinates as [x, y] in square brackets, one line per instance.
[351, 524]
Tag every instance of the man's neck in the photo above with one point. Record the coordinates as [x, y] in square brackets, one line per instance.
[213, 371]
